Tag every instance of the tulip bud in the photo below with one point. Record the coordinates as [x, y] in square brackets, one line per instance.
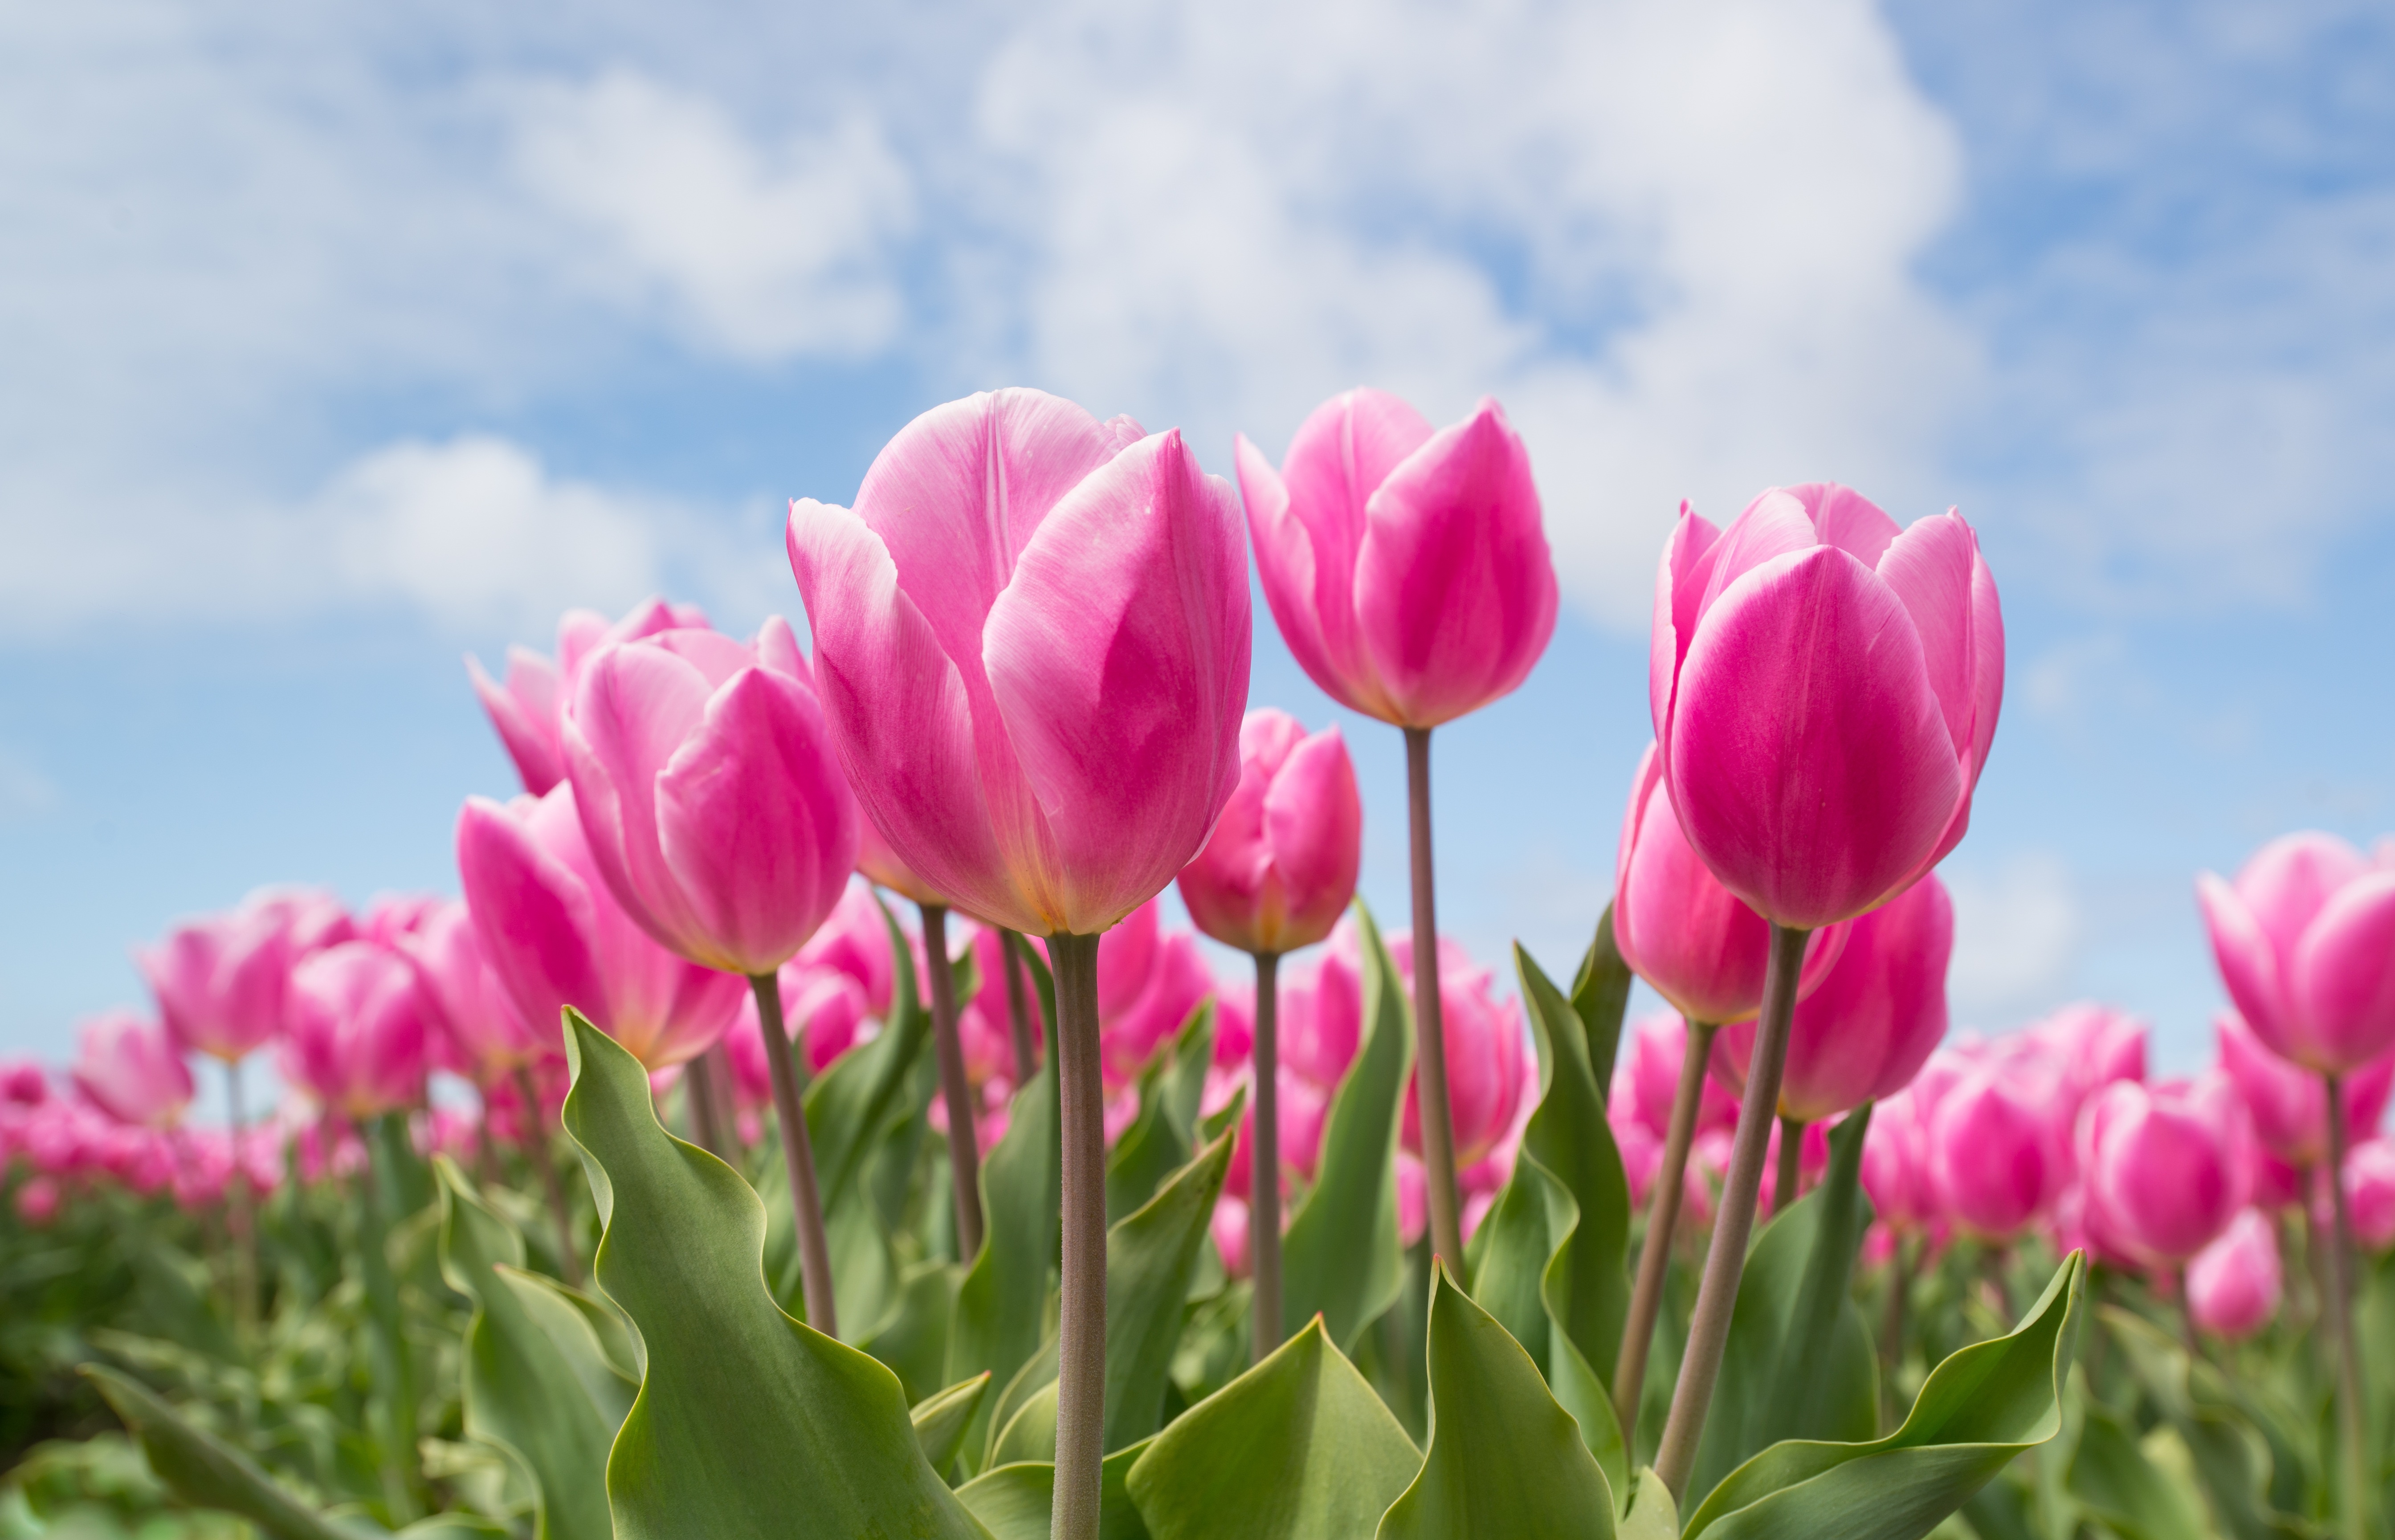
[2166, 1167]
[2289, 1105]
[132, 1070]
[2369, 1193]
[1280, 867]
[2232, 1284]
[2305, 943]
[1992, 1156]
[358, 1031]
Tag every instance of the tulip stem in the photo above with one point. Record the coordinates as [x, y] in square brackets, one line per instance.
[798, 1155]
[955, 1089]
[1018, 1010]
[1430, 1035]
[2194, 1344]
[1662, 1218]
[1081, 1346]
[699, 1100]
[1264, 1161]
[240, 1212]
[1900, 1284]
[720, 1079]
[536, 1150]
[1790, 1175]
[1734, 1221]
[2351, 1477]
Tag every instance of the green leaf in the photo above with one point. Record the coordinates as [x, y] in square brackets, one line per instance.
[205, 1471]
[1014, 1500]
[853, 1103]
[942, 1418]
[1029, 1432]
[1503, 1457]
[1001, 1306]
[1976, 1412]
[1549, 1260]
[2112, 1479]
[1296, 1448]
[1150, 1258]
[1341, 1258]
[1159, 1140]
[523, 1394]
[749, 1424]
[2233, 1450]
[1648, 1512]
[913, 1338]
[1800, 1363]
[1600, 997]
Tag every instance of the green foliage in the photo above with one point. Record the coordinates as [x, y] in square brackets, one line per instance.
[1600, 997]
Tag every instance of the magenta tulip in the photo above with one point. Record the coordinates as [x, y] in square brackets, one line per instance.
[1825, 689]
[1875, 1019]
[358, 1031]
[1408, 568]
[487, 1035]
[855, 940]
[1651, 1061]
[2369, 1182]
[2289, 1106]
[1486, 1041]
[2305, 943]
[1895, 1169]
[22, 1084]
[1281, 865]
[221, 981]
[826, 1011]
[2233, 1284]
[132, 1070]
[2165, 1167]
[1701, 948]
[556, 937]
[529, 709]
[1032, 638]
[1995, 1161]
[2094, 1044]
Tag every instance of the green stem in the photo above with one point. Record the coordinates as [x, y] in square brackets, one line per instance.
[1018, 1010]
[956, 1090]
[403, 1479]
[1263, 1164]
[1082, 1315]
[1790, 1174]
[798, 1157]
[1662, 1219]
[1430, 1035]
[536, 1150]
[698, 1103]
[1734, 1221]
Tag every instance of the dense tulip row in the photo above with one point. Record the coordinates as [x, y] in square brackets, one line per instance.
[875, 922]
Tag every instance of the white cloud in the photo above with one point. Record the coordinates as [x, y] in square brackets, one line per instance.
[2016, 933]
[765, 252]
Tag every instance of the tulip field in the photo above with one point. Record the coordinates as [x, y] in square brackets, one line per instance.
[807, 1121]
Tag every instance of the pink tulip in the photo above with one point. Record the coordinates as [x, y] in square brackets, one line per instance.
[1302, 1107]
[38, 1200]
[485, 1035]
[1680, 929]
[1896, 1171]
[2370, 1194]
[1995, 1161]
[529, 709]
[2275, 1184]
[1408, 568]
[825, 1011]
[2305, 943]
[1322, 1017]
[1281, 865]
[132, 1070]
[221, 981]
[2232, 1284]
[1875, 1019]
[22, 1084]
[1652, 1064]
[1032, 639]
[312, 918]
[556, 936]
[709, 794]
[358, 1030]
[986, 1022]
[1485, 1041]
[1825, 689]
[2094, 1045]
[390, 917]
[2289, 1106]
[2165, 1167]
[1148, 982]
[855, 940]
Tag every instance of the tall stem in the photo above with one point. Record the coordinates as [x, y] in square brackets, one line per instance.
[1264, 1164]
[1081, 1346]
[2340, 1306]
[1662, 1218]
[242, 1205]
[1430, 1033]
[537, 1150]
[699, 1100]
[402, 1470]
[799, 1154]
[1899, 1283]
[1018, 1010]
[1734, 1221]
[1790, 1174]
[956, 1090]
[722, 1080]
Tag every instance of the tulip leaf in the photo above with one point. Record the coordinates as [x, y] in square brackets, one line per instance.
[2233, 1457]
[1298, 1447]
[1001, 1307]
[942, 1418]
[1151, 1256]
[1600, 997]
[913, 1337]
[524, 1396]
[1160, 1138]
[852, 1104]
[207, 1472]
[582, 1326]
[1503, 1457]
[2112, 1477]
[1800, 1362]
[1978, 1409]
[749, 1424]
[1029, 1432]
[1015, 1501]
[1648, 1512]
[1341, 1256]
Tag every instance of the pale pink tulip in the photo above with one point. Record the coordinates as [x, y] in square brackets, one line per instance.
[358, 1031]
[221, 982]
[2305, 943]
[1408, 568]
[1486, 1046]
[2165, 1167]
[2232, 1284]
[1281, 865]
[2289, 1105]
[1825, 689]
[132, 1070]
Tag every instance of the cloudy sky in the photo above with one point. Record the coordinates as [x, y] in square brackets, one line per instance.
[338, 342]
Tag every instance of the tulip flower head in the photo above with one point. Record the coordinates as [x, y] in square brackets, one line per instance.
[2233, 1284]
[2305, 939]
[529, 708]
[2288, 1105]
[358, 1030]
[2369, 1179]
[2165, 1167]
[221, 981]
[483, 1032]
[1996, 1164]
[1825, 689]
[1408, 568]
[1280, 867]
[132, 1070]
[1487, 1046]
[1651, 1062]
[1031, 640]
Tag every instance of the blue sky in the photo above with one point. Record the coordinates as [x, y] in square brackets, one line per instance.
[336, 343]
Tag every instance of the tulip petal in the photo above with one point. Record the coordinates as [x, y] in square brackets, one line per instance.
[1121, 706]
[533, 913]
[897, 708]
[2288, 881]
[757, 823]
[637, 702]
[1929, 566]
[1810, 661]
[1455, 588]
[2345, 976]
[1847, 519]
[2249, 964]
[1314, 820]
[525, 712]
[1679, 586]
